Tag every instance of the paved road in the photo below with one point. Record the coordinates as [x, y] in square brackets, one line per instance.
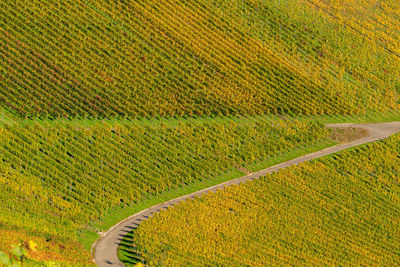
[105, 248]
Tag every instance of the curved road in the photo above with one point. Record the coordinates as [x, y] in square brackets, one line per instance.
[105, 248]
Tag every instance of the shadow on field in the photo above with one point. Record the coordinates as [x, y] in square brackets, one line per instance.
[128, 253]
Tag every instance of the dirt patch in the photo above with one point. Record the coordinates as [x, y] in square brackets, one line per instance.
[348, 134]
[244, 170]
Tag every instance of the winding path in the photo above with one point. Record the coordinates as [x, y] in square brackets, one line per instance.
[105, 248]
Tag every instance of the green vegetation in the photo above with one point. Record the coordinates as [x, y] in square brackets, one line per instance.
[58, 178]
[337, 210]
[109, 107]
[101, 58]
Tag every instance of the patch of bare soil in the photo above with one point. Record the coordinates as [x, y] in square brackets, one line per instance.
[348, 134]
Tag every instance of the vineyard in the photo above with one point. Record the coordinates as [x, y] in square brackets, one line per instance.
[108, 105]
[56, 178]
[377, 21]
[339, 210]
[136, 58]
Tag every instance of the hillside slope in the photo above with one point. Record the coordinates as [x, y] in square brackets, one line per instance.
[104, 103]
[167, 58]
[59, 178]
[338, 210]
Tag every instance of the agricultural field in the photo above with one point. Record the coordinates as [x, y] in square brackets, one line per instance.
[339, 210]
[58, 177]
[108, 107]
[375, 20]
[136, 58]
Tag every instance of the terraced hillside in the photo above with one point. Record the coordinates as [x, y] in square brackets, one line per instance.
[338, 210]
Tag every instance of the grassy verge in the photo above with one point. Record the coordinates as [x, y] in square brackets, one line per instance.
[370, 117]
[295, 153]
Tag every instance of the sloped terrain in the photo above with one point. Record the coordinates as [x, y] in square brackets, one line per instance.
[144, 58]
[107, 103]
[57, 179]
[342, 209]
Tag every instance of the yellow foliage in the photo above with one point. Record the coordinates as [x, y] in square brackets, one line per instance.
[305, 214]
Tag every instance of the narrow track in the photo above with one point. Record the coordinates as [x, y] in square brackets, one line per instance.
[105, 248]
